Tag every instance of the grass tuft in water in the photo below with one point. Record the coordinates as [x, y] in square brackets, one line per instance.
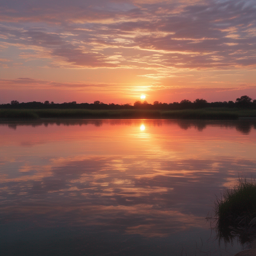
[238, 201]
[236, 212]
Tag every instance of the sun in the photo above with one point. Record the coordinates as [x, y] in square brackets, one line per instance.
[142, 127]
[143, 96]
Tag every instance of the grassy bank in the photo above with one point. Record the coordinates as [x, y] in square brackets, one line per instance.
[211, 114]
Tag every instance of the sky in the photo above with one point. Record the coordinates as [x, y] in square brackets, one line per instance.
[115, 50]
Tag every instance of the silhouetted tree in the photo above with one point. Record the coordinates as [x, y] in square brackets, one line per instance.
[14, 102]
[96, 102]
[137, 103]
[185, 104]
[244, 98]
[46, 102]
[200, 103]
[243, 101]
[254, 104]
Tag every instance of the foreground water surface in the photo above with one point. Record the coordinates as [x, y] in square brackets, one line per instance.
[118, 187]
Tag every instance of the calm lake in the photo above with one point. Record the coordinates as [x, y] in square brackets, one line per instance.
[119, 187]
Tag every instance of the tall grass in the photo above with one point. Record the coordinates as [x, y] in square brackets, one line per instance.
[238, 201]
[236, 212]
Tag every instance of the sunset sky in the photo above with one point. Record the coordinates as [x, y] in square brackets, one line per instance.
[116, 50]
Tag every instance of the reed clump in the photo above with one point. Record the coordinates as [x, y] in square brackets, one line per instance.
[237, 203]
[236, 211]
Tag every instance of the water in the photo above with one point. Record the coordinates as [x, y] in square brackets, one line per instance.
[118, 187]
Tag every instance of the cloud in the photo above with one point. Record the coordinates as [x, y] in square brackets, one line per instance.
[24, 83]
[79, 58]
[63, 11]
[54, 45]
[204, 33]
[194, 35]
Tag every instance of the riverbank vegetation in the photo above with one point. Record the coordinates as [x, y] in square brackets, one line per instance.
[206, 113]
[199, 109]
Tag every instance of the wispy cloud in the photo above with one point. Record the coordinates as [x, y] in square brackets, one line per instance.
[212, 34]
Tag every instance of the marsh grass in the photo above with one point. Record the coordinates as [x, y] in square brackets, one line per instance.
[18, 113]
[236, 212]
[204, 114]
[210, 114]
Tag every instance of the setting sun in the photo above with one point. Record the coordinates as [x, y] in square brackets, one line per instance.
[143, 97]
[142, 127]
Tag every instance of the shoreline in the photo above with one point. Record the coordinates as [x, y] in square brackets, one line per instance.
[200, 114]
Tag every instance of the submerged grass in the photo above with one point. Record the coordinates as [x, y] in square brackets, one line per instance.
[206, 113]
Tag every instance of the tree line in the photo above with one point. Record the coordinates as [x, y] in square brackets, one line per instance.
[242, 102]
